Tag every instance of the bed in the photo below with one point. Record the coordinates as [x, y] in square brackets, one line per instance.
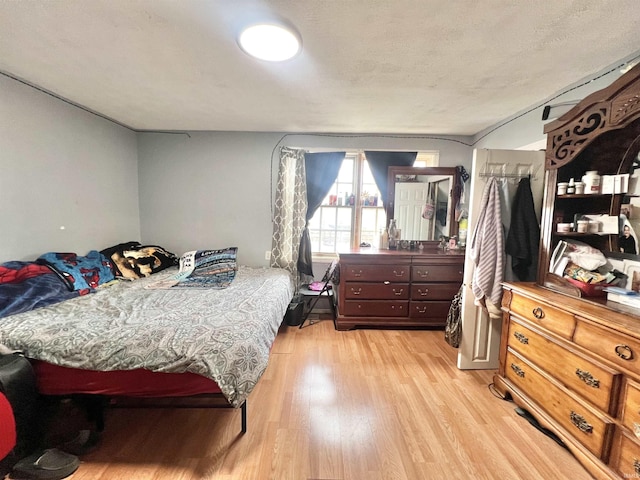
[142, 339]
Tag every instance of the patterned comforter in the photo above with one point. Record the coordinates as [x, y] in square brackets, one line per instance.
[225, 335]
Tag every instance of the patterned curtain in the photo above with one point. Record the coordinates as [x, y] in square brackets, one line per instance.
[289, 210]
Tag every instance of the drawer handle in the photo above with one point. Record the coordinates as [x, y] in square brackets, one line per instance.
[538, 313]
[353, 290]
[357, 274]
[393, 307]
[581, 422]
[521, 338]
[401, 274]
[636, 466]
[423, 293]
[587, 378]
[387, 282]
[624, 352]
[518, 370]
[397, 294]
[423, 274]
[421, 310]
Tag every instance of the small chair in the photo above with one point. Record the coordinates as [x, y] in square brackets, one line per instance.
[325, 291]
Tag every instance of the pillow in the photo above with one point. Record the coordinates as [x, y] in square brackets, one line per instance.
[208, 268]
[132, 260]
[79, 273]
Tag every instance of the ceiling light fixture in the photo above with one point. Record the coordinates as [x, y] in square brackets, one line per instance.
[270, 41]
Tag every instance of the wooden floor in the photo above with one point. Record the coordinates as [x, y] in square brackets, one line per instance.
[357, 405]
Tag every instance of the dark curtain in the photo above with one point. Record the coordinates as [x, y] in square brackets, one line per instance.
[379, 162]
[321, 171]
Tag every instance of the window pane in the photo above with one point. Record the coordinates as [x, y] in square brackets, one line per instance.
[343, 243]
[373, 222]
[344, 219]
[346, 171]
[328, 241]
[328, 219]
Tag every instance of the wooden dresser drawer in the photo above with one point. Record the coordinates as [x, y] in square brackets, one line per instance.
[591, 380]
[434, 291]
[614, 346]
[437, 273]
[630, 408]
[589, 427]
[376, 308]
[553, 319]
[436, 309]
[625, 458]
[378, 290]
[373, 273]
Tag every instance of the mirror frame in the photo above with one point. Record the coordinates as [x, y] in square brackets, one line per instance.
[440, 171]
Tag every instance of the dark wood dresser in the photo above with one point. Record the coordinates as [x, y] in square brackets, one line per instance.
[397, 288]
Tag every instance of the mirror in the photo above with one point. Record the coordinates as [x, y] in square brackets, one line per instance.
[422, 201]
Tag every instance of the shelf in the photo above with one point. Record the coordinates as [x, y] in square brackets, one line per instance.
[581, 234]
[586, 195]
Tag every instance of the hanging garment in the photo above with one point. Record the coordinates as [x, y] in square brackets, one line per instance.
[487, 251]
[523, 239]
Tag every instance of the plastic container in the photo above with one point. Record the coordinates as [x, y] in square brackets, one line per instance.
[589, 289]
[583, 226]
[579, 188]
[564, 227]
[562, 188]
[591, 181]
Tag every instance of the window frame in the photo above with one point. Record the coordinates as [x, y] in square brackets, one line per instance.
[424, 158]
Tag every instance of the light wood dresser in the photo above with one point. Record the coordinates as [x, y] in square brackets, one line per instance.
[575, 366]
[397, 288]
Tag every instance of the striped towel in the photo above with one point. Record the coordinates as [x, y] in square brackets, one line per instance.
[487, 249]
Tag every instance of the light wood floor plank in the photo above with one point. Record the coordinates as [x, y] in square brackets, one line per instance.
[357, 405]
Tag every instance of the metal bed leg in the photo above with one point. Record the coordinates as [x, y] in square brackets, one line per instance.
[243, 413]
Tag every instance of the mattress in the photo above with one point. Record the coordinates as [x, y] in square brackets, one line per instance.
[222, 335]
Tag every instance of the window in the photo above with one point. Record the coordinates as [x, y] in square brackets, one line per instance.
[352, 212]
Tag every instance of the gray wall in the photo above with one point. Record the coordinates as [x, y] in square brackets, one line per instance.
[62, 167]
[213, 189]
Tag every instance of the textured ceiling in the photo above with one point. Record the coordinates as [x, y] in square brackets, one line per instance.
[402, 66]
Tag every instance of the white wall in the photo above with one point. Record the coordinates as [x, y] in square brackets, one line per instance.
[62, 167]
[526, 127]
[213, 189]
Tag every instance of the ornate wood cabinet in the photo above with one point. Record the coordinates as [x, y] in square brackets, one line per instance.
[572, 362]
[397, 288]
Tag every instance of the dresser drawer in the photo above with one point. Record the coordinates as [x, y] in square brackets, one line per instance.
[376, 308]
[588, 378]
[543, 314]
[626, 456]
[434, 291]
[437, 273]
[630, 409]
[379, 290]
[373, 273]
[437, 309]
[609, 344]
[584, 423]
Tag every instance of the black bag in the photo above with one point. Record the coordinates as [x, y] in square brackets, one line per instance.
[18, 384]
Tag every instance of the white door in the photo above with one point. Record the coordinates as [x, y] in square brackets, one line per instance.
[409, 202]
[480, 342]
